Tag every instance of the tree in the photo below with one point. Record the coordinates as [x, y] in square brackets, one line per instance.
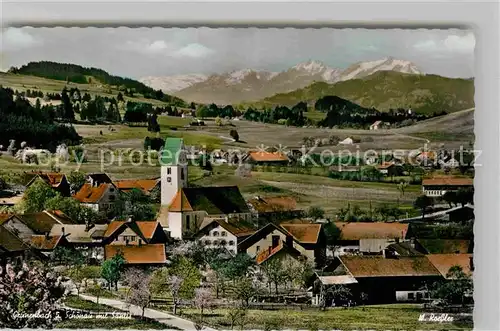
[36, 195]
[76, 180]
[218, 121]
[423, 202]
[244, 290]
[332, 234]
[202, 300]
[338, 293]
[450, 197]
[238, 266]
[29, 290]
[402, 187]
[112, 269]
[274, 272]
[455, 288]
[202, 112]
[139, 293]
[185, 269]
[67, 107]
[315, 212]
[236, 313]
[234, 134]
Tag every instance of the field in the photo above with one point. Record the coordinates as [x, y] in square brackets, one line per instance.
[382, 317]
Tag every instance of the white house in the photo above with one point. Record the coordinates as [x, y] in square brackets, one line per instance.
[347, 141]
[377, 125]
[99, 197]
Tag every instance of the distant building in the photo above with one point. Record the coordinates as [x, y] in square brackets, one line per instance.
[378, 125]
[438, 186]
[266, 158]
[347, 141]
[56, 180]
[146, 186]
[368, 237]
[269, 209]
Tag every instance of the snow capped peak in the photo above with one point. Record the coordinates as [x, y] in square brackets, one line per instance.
[362, 69]
[174, 83]
[311, 67]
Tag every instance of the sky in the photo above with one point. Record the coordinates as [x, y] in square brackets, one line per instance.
[140, 52]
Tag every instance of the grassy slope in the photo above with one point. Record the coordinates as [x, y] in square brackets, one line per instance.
[387, 89]
[25, 82]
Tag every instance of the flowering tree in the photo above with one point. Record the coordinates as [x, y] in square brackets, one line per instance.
[29, 297]
[139, 283]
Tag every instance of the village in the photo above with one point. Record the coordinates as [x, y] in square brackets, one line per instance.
[208, 249]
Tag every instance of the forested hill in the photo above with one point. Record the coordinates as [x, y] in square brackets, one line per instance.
[82, 75]
[385, 90]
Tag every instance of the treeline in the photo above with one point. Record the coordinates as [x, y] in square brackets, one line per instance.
[20, 121]
[280, 115]
[215, 111]
[342, 113]
[83, 75]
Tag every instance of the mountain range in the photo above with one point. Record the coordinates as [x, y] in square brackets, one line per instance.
[252, 85]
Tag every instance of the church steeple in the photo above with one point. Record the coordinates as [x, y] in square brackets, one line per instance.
[174, 169]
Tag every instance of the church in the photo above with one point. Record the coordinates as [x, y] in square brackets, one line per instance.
[185, 210]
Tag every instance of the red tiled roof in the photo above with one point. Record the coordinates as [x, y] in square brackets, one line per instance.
[267, 156]
[371, 230]
[91, 194]
[146, 228]
[51, 178]
[144, 254]
[43, 242]
[273, 204]
[304, 233]
[180, 203]
[458, 181]
[376, 266]
[145, 185]
[443, 262]
[112, 227]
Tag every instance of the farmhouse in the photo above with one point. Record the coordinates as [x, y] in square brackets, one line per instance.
[224, 233]
[26, 225]
[47, 243]
[385, 279]
[269, 209]
[11, 247]
[144, 185]
[138, 255]
[57, 181]
[87, 238]
[99, 197]
[444, 246]
[266, 158]
[438, 186]
[308, 239]
[443, 263]
[368, 237]
[183, 209]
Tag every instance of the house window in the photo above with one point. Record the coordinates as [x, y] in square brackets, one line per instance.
[132, 238]
[169, 179]
[215, 233]
[188, 222]
[231, 242]
[169, 171]
[257, 249]
[223, 243]
[111, 198]
[182, 174]
[216, 242]
[207, 242]
[223, 233]
[111, 190]
[411, 296]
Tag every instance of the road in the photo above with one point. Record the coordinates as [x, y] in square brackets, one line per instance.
[160, 316]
